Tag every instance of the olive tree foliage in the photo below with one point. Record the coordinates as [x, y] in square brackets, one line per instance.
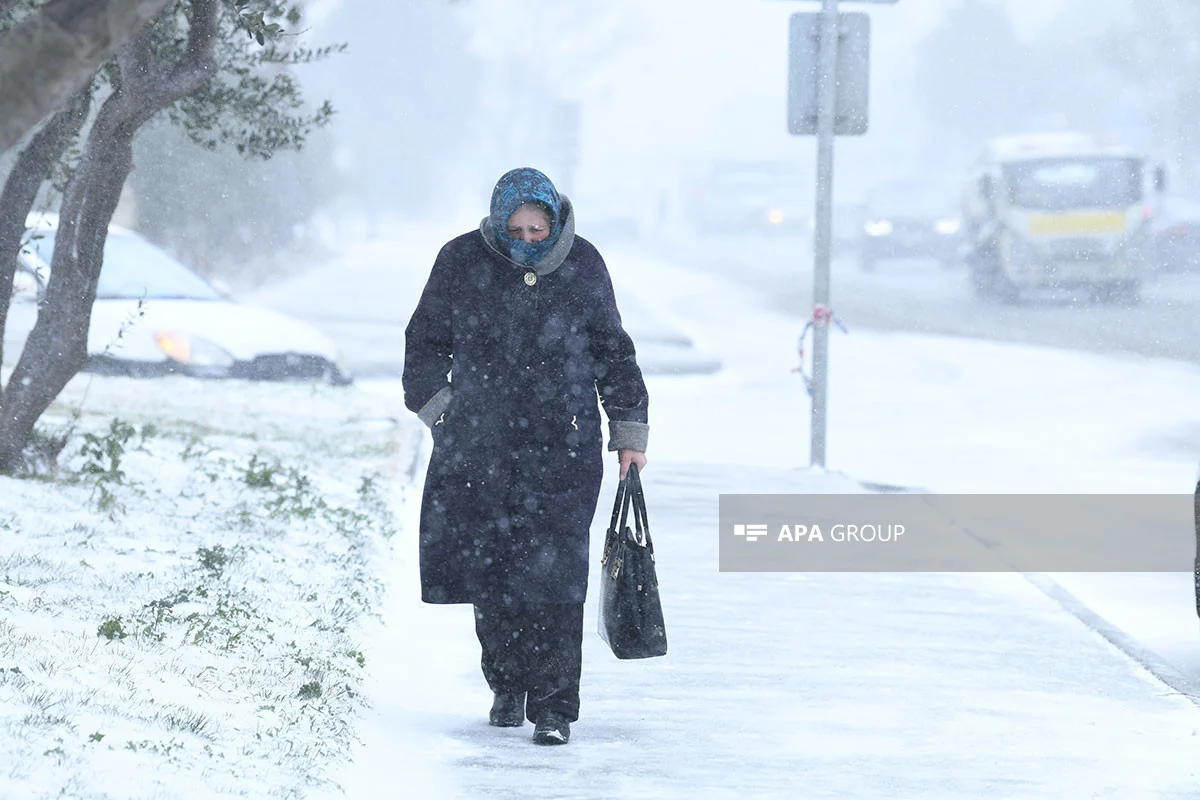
[196, 195]
[219, 69]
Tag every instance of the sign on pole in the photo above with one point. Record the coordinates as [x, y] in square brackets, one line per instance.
[828, 94]
[852, 74]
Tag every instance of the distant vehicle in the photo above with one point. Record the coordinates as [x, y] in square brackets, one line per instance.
[911, 219]
[1176, 231]
[750, 198]
[184, 324]
[1060, 211]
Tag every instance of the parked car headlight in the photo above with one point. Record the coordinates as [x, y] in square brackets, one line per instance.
[878, 227]
[193, 351]
[947, 227]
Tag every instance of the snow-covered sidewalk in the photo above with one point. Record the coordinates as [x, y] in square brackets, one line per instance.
[807, 685]
[827, 685]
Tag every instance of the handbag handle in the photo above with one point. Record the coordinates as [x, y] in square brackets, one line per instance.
[620, 506]
[641, 522]
[630, 493]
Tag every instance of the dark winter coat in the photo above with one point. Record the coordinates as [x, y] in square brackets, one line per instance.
[516, 467]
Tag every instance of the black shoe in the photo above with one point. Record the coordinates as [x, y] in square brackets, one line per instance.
[508, 710]
[552, 728]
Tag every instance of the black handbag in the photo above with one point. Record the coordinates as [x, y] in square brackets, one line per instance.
[631, 617]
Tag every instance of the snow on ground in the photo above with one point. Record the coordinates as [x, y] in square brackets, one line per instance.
[826, 685]
[817, 685]
[181, 606]
[945, 414]
[807, 685]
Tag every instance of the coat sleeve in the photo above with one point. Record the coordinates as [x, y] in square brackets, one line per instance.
[429, 347]
[618, 377]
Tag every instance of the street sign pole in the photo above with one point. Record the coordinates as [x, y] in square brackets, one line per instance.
[828, 96]
[822, 241]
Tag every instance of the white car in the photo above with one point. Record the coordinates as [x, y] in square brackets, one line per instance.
[154, 316]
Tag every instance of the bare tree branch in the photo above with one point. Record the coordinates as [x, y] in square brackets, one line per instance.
[150, 85]
[198, 65]
[54, 53]
[136, 62]
[202, 32]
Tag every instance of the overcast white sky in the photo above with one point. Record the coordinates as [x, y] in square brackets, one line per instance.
[663, 85]
[674, 83]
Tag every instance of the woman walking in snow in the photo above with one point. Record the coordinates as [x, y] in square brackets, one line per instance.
[516, 334]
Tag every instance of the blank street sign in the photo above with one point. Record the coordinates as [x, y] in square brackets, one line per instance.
[852, 76]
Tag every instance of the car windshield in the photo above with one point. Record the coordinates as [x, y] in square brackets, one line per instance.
[1059, 184]
[134, 268]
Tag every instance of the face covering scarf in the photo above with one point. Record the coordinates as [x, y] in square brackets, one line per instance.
[513, 190]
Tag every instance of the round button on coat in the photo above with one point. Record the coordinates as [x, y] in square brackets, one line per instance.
[530, 278]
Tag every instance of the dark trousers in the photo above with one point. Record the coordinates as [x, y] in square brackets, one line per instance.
[534, 648]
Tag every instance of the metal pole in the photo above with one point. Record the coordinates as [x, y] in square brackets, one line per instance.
[827, 108]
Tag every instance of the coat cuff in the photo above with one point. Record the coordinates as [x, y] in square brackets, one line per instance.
[624, 435]
[430, 412]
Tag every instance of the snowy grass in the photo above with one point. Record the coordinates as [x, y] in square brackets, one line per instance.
[181, 599]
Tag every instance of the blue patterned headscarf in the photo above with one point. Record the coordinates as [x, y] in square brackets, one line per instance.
[513, 190]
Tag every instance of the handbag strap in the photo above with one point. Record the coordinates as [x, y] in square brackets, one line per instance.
[621, 504]
[641, 521]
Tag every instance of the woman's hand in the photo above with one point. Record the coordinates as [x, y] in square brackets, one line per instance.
[631, 457]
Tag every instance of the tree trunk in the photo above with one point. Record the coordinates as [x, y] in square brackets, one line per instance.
[57, 346]
[56, 52]
[24, 180]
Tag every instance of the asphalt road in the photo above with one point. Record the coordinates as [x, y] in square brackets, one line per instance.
[920, 296]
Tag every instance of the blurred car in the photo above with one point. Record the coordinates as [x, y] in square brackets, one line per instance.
[154, 316]
[750, 197]
[1176, 235]
[909, 220]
